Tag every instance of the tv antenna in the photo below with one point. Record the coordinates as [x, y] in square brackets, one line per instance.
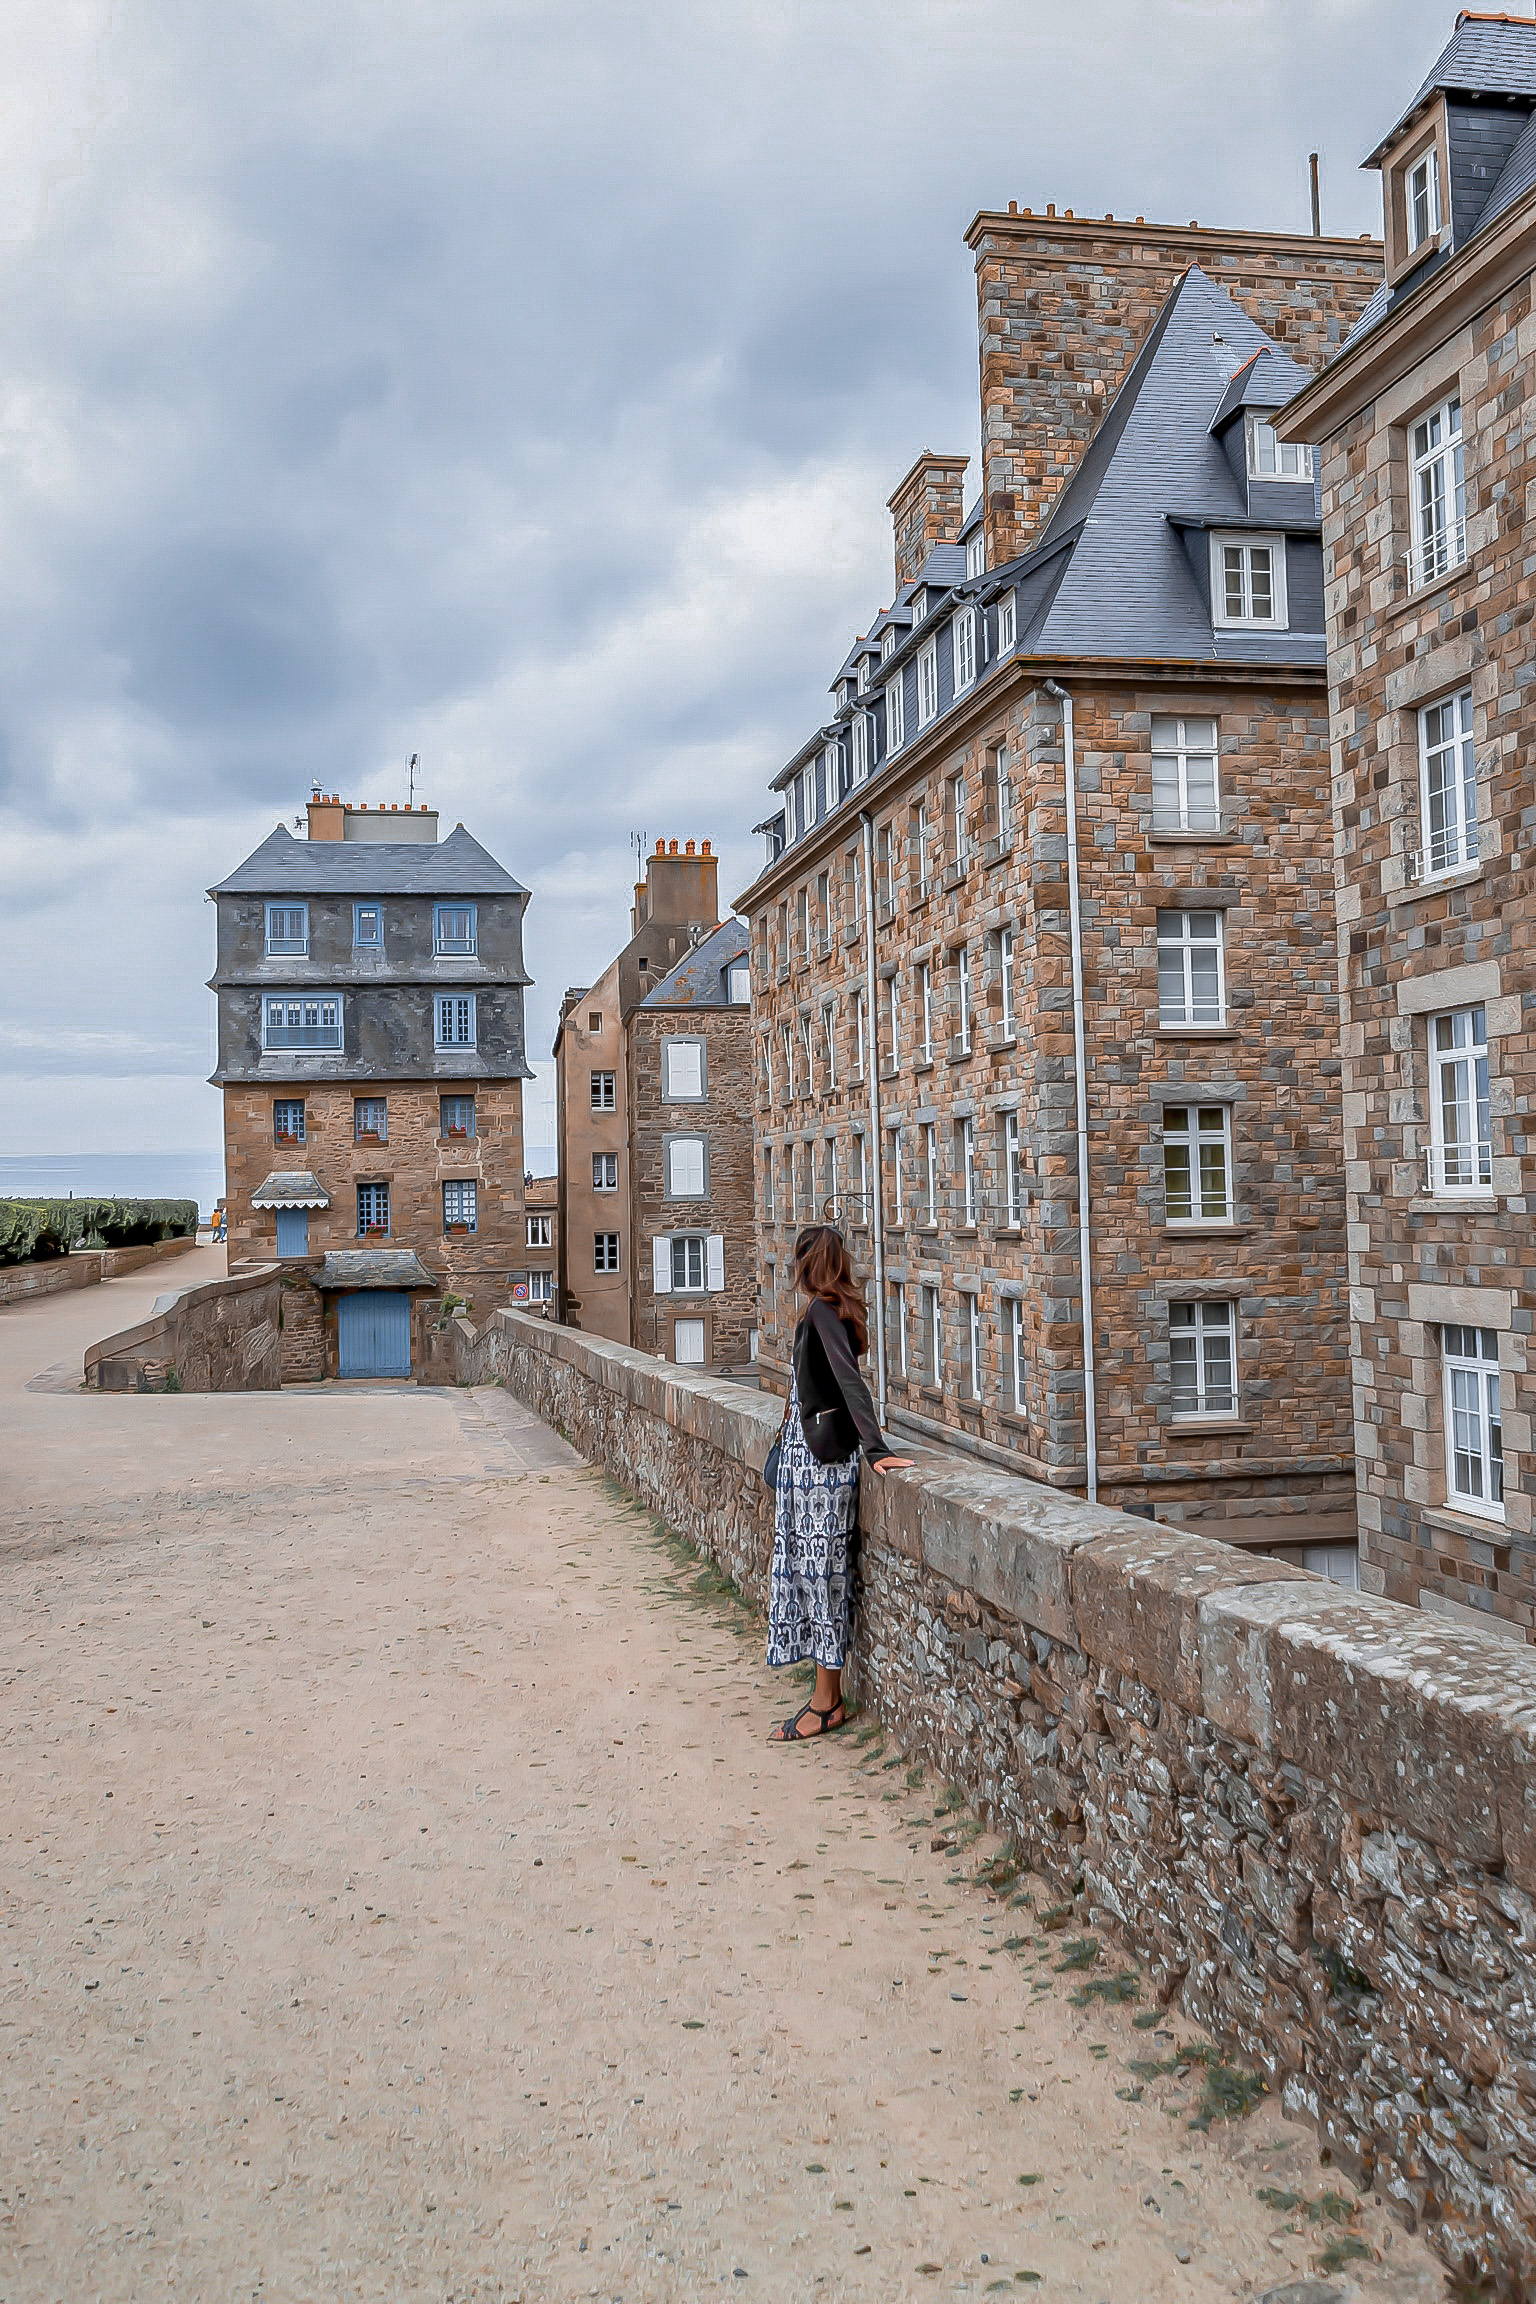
[410, 779]
[637, 841]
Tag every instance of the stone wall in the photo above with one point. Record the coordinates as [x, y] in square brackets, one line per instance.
[1310, 1814]
[221, 1337]
[83, 1268]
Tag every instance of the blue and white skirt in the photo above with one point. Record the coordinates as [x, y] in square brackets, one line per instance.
[815, 1510]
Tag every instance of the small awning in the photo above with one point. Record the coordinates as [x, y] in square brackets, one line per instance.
[291, 1188]
[374, 1268]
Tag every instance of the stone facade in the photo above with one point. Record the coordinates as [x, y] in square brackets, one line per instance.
[534, 1284]
[220, 1337]
[1436, 906]
[1305, 1812]
[1065, 304]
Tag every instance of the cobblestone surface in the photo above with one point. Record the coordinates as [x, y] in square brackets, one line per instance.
[398, 1898]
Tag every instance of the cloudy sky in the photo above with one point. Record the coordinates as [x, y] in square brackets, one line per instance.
[518, 383]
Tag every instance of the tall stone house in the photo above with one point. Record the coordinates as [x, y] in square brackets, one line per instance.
[692, 1220]
[533, 1288]
[1049, 895]
[370, 987]
[676, 906]
[1423, 425]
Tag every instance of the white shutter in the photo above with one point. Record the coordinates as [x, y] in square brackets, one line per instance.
[661, 1266]
[685, 1069]
[714, 1263]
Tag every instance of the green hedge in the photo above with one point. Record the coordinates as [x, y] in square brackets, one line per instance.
[33, 1229]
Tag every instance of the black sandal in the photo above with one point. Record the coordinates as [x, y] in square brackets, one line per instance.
[789, 1732]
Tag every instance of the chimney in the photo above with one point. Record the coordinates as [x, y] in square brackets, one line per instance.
[927, 508]
[327, 817]
[681, 887]
[331, 818]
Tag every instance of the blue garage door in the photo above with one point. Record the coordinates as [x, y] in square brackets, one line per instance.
[374, 1331]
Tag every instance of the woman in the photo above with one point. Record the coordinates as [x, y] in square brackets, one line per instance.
[830, 1417]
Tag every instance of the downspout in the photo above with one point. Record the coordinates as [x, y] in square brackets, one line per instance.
[872, 1060]
[1080, 1067]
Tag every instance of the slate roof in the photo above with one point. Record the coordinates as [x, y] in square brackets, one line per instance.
[698, 980]
[374, 1267]
[291, 1188]
[1267, 380]
[1488, 55]
[283, 866]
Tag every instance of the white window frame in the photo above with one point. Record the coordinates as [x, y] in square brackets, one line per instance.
[928, 683]
[284, 944]
[1271, 458]
[808, 1050]
[768, 1197]
[968, 1196]
[918, 605]
[1016, 1352]
[930, 1176]
[1245, 544]
[1460, 1130]
[959, 809]
[1474, 1437]
[683, 1058]
[738, 984]
[921, 833]
[1447, 786]
[1005, 946]
[1437, 493]
[603, 1090]
[687, 1167]
[895, 1024]
[895, 716]
[787, 1037]
[888, 642]
[976, 553]
[1195, 1331]
[540, 1287]
[1186, 774]
[859, 737]
[600, 1247]
[1176, 953]
[973, 1345]
[899, 1325]
[1013, 1172]
[605, 1178]
[925, 1007]
[860, 1057]
[829, 1040]
[933, 1335]
[831, 776]
[1197, 1164]
[1421, 214]
[1007, 623]
[1004, 796]
[861, 1150]
[893, 1162]
[963, 630]
[963, 996]
[863, 676]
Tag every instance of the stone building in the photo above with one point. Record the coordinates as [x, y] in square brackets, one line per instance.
[370, 986]
[1423, 423]
[533, 1288]
[675, 906]
[1056, 870]
[693, 1264]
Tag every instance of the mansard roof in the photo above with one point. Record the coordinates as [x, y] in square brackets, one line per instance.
[1486, 55]
[699, 979]
[283, 866]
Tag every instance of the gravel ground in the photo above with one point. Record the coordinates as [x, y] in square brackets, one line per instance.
[398, 1900]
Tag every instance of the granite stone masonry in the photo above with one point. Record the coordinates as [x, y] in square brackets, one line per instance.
[1308, 1813]
[221, 1336]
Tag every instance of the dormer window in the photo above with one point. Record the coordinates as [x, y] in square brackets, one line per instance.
[1270, 458]
[1422, 203]
[919, 605]
[976, 554]
[888, 642]
[1248, 581]
[863, 675]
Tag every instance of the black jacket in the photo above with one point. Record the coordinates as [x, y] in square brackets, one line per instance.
[827, 1379]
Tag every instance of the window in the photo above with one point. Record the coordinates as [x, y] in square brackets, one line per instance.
[768, 1209]
[457, 1115]
[1422, 199]
[885, 879]
[370, 1120]
[1447, 786]
[372, 1209]
[959, 820]
[856, 888]
[1460, 1153]
[687, 1257]
[1439, 493]
[927, 683]
[455, 1019]
[919, 606]
[963, 998]
[688, 1343]
[453, 927]
[925, 1009]
[1000, 795]
[832, 776]
[829, 1044]
[540, 1287]
[859, 739]
[933, 1337]
[605, 1171]
[861, 1178]
[1474, 1435]
[893, 1165]
[594, 1020]
[1248, 580]
[976, 553]
[461, 1205]
[964, 632]
[930, 1175]
[896, 1334]
[1013, 1172]
[1197, 1163]
[808, 798]
[605, 1251]
[682, 1071]
[965, 1161]
[604, 1098]
[1204, 1376]
[539, 1232]
[287, 927]
[1006, 1018]
[1007, 623]
[1015, 1313]
[297, 1025]
[1184, 791]
[920, 831]
[893, 1021]
[687, 1168]
[823, 914]
[1271, 458]
[803, 921]
[973, 1347]
[738, 984]
[863, 688]
[787, 1041]
[368, 927]
[830, 1208]
[288, 1120]
[895, 715]
[858, 1035]
[1189, 968]
[888, 640]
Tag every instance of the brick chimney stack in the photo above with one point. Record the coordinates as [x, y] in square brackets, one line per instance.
[679, 889]
[927, 508]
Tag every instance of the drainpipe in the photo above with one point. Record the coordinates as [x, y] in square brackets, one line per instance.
[1080, 1066]
[872, 1060]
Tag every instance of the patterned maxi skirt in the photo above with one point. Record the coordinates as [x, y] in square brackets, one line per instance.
[814, 1514]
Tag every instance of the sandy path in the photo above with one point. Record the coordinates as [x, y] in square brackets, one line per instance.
[398, 1901]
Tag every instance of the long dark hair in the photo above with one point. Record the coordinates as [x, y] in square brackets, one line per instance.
[824, 1268]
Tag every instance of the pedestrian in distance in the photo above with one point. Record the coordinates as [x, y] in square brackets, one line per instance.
[829, 1422]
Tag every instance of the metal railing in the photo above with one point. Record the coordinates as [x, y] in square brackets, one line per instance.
[302, 1036]
[1436, 554]
[1459, 1168]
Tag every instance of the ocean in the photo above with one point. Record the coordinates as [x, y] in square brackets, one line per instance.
[195, 1176]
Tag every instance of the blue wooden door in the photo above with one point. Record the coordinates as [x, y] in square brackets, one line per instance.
[293, 1231]
[374, 1332]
